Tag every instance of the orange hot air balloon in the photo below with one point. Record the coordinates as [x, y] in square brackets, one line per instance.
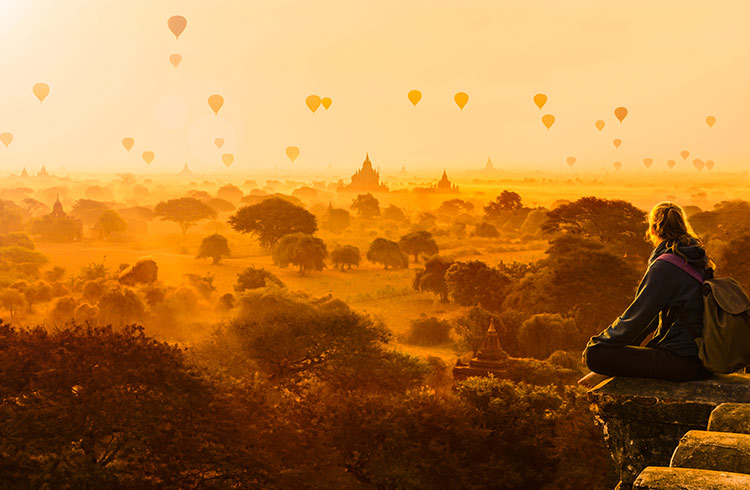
[684, 154]
[617, 142]
[313, 102]
[709, 164]
[710, 120]
[215, 102]
[617, 165]
[698, 164]
[540, 100]
[41, 90]
[292, 152]
[620, 113]
[461, 99]
[414, 96]
[548, 120]
[571, 161]
[6, 138]
[148, 157]
[175, 59]
[325, 102]
[648, 162]
[671, 164]
[177, 24]
[599, 125]
[128, 143]
[219, 142]
[227, 158]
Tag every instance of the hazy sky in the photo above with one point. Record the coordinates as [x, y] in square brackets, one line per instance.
[671, 63]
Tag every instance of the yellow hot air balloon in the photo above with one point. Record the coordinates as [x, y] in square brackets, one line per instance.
[6, 138]
[620, 113]
[227, 158]
[710, 120]
[313, 102]
[617, 165]
[684, 154]
[414, 96]
[698, 164]
[617, 142]
[292, 152]
[599, 124]
[648, 162]
[41, 90]
[540, 100]
[175, 59]
[177, 24]
[325, 102]
[461, 99]
[219, 142]
[709, 164]
[148, 157]
[548, 120]
[128, 143]
[215, 102]
[671, 164]
[571, 160]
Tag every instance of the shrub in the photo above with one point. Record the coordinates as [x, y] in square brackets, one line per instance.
[428, 331]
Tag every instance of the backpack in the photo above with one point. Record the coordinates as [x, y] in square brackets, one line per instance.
[724, 346]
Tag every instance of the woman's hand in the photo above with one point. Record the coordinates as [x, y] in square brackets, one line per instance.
[592, 379]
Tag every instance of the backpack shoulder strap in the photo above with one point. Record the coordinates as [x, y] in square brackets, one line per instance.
[682, 264]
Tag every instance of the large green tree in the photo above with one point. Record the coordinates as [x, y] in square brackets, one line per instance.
[273, 218]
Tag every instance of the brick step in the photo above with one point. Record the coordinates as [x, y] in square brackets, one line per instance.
[663, 478]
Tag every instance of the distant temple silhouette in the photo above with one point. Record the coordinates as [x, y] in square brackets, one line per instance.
[185, 171]
[365, 179]
[43, 172]
[445, 185]
[491, 359]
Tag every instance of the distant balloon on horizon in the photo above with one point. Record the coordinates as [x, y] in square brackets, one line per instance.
[709, 164]
[292, 152]
[710, 120]
[215, 102]
[571, 161]
[671, 164]
[698, 164]
[148, 157]
[6, 138]
[540, 100]
[461, 99]
[313, 102]
[175, 59]
[684, 154]
[177, 24]
[219, 142]
[128, 143]
[648, 162]
[41, 90]
[414, 96]
[599, 125]
[617, 142]
[326, 102]
[617, 165]
[548, 120]
[621, 113]
[227, 158]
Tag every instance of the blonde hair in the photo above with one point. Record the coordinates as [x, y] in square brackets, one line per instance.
[667, 221]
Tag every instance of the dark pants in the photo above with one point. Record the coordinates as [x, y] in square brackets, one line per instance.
[643, 362]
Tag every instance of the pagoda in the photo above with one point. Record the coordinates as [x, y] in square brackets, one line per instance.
[445, 185]
[491, 359]
[366, 179]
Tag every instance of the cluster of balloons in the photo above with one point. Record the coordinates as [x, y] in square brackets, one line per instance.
[315, 101]
[548, 119]
[176, 24]
[460, 98]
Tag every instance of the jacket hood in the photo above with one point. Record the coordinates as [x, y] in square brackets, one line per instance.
[695, 254]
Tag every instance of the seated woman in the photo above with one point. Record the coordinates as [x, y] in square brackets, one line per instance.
[667, 301]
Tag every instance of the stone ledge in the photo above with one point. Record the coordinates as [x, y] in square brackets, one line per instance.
[720, 451]
[731, 417]
[662, 478]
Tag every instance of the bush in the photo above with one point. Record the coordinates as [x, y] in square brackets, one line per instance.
[428, 331]
[543, 334]
[252, 278]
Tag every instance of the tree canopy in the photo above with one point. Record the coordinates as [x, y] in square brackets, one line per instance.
[388, 253]
[418, 242]
[186, 211]
[305, 251]
[273, 218]
[214, 246]
[366, 206]
[346, 255]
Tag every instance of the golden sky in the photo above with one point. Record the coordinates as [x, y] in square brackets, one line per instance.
[671, 63]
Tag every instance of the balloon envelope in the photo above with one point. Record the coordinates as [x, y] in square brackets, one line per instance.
[571, 161]
[698, 164]
[617, 142]
[325, 102]
[227, 158]
[128, 143]
[313, 102]
[177, 24]
[709, 164]
[414, 96]
[710, 120]
[620, 113]
[148, 156]
[175, 59]
[41, 90]
[548, 120]
[461, 99]
[215, 102]
[292, 152]
[599, 124]
[219, 142]
[648, 162]
[540, 100]
[6, 138]
[671, 163]
[684, 154]
[617, 165]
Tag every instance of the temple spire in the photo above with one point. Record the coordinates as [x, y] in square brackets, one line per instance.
[491, 347]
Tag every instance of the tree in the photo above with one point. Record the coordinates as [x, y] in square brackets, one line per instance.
[545, 333]
[120, 306]
[432, 277]
[12, 300]
[253, 278]
[428, 331]
[388, 253]
[305, 251]
[732, 261]
[110, 222]
[454, 207]
[230, 192]
[419, 242]
[366, 206]
[474, 283]
[273, 218]
[336, 220]
[11, 217]
[186, 211]
[88, 210]
[214, 246]
[347, 255]
[486, 230]
[393, 213]
[507, 201]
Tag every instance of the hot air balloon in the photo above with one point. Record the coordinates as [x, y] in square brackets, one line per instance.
[6, 138]
[571, 161]
[710, 120]
[617, 142]
[617, 165]
[292, 152]
[599, 124]
[313, 102]
[698, 164]
[177, 24]
[540, 100]
[548, 120]
[41, 90]
[175, 59]
[671, 164]
[648, 162]
[684, 154]
[325, 102]
[215, 102]
[227, 158]
[128, 143]
[620, 113]
[148, 157]
[414, 96]
[461, 99]
[219, 142]
[709, 164]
